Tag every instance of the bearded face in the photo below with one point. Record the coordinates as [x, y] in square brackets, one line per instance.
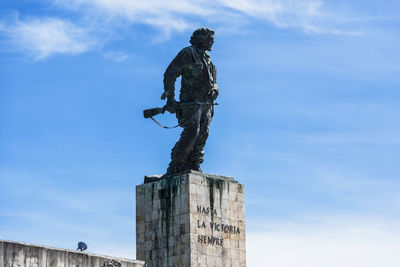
[208, 42]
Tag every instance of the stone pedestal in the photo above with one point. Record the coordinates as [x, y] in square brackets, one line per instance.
[191, 219]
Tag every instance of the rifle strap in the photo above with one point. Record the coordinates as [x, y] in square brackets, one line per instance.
[165, 127]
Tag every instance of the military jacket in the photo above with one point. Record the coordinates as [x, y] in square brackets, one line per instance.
[198, 75]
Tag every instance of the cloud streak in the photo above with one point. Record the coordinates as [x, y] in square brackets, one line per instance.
[283, 13]
[43, 37]
[178, 15]
[167, 16]
[345, 243]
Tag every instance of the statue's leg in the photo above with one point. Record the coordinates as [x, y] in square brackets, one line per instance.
[190, 121]
[196, 157]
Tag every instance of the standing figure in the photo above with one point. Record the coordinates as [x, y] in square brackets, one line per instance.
[195, 108]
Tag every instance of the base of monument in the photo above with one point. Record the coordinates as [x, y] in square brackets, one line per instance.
[190, 219]
[156, 177]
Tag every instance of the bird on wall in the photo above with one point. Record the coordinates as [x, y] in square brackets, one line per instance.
[82, 246]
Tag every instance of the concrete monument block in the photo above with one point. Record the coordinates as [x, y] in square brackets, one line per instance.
[190, 219]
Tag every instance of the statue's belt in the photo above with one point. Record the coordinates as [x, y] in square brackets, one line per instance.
[179, 104]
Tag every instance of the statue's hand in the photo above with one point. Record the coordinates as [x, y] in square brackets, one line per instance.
[171, 105]
[214, 92]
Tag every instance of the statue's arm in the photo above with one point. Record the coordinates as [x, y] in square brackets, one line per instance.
[173, 71]
[215, 90]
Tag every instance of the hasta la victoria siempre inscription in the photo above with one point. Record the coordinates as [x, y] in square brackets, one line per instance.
[219, 227]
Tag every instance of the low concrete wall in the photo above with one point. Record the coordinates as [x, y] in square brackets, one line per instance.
[16, 254]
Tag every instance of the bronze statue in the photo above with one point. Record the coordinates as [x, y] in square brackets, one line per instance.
[195, 108]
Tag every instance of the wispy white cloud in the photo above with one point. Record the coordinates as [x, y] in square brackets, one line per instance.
[46, 36]
[307, 15]
[346, 243]
[179, 15]
[167, 16]
[117, 56]
[103, 19]
[134, 9]
[271, 9]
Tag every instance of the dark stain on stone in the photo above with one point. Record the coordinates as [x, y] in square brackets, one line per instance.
[167, 196]
[214, 184]
[152, 194]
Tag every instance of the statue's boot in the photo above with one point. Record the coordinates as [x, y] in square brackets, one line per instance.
[195, 166]
[174, 168]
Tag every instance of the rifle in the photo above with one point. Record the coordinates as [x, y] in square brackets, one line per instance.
[151, 112]
[148, 113]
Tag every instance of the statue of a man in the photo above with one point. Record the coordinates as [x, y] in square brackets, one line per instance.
[198, 91]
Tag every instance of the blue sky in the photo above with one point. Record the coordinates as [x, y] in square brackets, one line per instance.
[308, 121]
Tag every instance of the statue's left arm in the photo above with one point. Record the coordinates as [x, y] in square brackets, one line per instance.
[215, 89]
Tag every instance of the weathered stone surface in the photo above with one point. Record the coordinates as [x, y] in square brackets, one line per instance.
[191, 219]
[26, 255]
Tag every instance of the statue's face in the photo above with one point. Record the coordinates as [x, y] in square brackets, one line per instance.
[205, 42]
[208, 42]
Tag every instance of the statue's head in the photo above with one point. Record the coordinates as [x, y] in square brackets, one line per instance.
[203, 38]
